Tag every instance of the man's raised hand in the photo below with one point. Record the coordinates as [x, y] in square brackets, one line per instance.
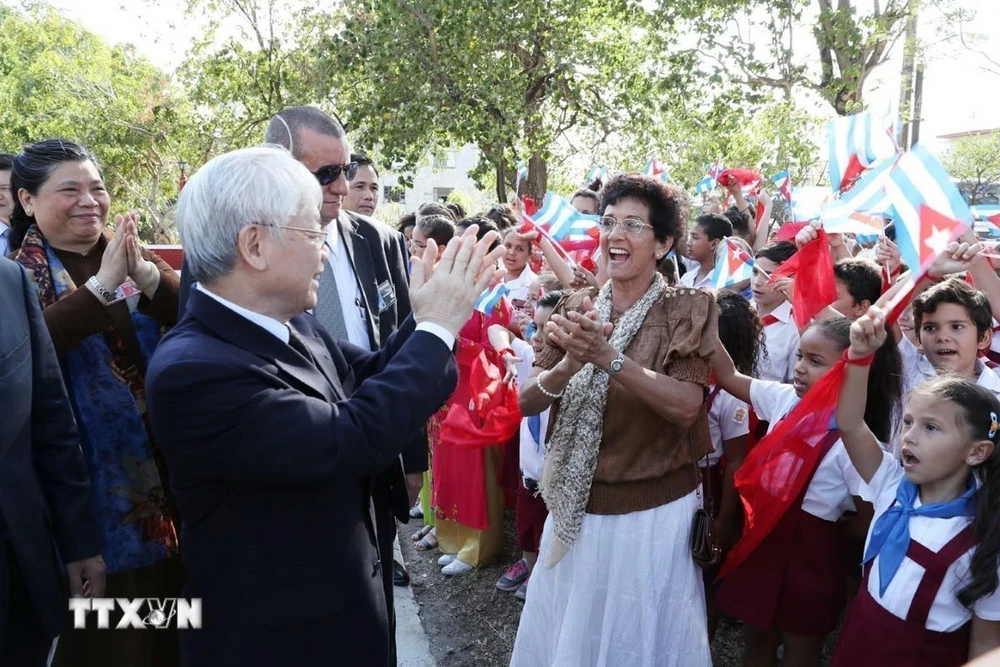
[446, 293]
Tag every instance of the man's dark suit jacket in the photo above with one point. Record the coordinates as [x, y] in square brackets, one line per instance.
[264, 450]
[378, 255]
[44, 485]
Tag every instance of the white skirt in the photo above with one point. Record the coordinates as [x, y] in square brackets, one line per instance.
[627, 594]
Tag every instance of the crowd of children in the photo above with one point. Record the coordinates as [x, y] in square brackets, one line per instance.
[895, 523]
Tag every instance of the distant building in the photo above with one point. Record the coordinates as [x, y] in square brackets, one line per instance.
[436, 180]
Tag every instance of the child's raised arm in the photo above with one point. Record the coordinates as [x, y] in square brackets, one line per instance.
[726, 375]
[867, 336]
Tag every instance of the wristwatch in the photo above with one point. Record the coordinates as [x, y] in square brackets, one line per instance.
[616, 365]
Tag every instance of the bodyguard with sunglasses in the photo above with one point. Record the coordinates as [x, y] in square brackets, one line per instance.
[363, 297]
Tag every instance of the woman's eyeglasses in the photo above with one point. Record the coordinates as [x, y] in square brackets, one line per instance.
[331, 172]
[630, 226]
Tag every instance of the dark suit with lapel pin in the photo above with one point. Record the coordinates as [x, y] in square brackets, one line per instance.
[44, 485]
[265, 450]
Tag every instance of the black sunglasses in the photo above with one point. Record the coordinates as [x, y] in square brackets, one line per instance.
[331, 172]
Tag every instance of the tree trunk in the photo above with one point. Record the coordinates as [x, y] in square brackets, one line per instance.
[538, 179]
[501, 183]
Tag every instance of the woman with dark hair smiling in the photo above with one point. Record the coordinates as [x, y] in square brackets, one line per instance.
[106, 301]
[625, 369]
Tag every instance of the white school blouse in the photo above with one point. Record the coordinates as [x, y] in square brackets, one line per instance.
[829, 492]
[781, 340]
[947, 613]
[728, 419]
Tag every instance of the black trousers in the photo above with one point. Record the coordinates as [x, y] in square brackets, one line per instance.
[22, 641]
[385, 531]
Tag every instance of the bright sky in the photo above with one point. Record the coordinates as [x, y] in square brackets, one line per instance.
[958, 94]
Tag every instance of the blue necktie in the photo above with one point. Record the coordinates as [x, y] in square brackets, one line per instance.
[891, 535]
[535, 427]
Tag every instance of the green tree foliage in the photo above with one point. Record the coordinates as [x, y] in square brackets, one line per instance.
[975, 161]
[847, 44]
[512, 78]
[58, 80]
[255, 59]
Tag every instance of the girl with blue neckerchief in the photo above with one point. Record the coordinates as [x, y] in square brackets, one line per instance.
[929, 595]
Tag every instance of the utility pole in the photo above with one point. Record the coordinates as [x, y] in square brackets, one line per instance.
[918, 96]
[907, 108]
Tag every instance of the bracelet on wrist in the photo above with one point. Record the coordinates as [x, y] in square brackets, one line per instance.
[861, 361]
[506, 351]
[538, 383]
[100, 290]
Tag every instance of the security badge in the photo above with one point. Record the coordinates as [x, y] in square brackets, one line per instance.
[386, 296]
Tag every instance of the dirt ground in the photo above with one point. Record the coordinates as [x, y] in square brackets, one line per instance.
[470, 623]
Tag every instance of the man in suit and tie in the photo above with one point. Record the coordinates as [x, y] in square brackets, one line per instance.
[267, 423]
[362, 296]
[44, 485]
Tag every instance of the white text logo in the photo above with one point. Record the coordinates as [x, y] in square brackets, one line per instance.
[138, 613]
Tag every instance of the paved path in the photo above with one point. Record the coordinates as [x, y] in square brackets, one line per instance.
[412, 647]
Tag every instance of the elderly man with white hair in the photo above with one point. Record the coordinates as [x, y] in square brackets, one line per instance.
[270, 427]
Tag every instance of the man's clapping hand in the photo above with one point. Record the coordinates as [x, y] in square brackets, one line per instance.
[445, 293]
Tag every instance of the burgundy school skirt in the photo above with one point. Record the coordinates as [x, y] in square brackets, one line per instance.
[795, 581]
[872, 637]
[531, 513]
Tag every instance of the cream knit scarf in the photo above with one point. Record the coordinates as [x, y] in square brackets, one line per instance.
[571, 456]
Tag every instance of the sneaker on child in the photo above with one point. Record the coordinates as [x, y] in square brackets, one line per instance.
[515, 575]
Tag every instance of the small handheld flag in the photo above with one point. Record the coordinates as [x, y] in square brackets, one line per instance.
[712, 171]
[570, 228]
[489, 299]
[783, 181]
[856, 143]
[656, 169]
[732, 266]
[596, 173]
[860, 209]
[931, 211]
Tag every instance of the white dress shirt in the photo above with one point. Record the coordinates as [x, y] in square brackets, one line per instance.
[280, 329]
[272, 326]
[4, 238]
[352, 299]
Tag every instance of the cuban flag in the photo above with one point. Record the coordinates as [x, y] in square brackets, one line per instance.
[783, 181]
[712, 172]
[856, 143]
[733, 265]
[861, 209]
[656, 169]
[567, 226]
[489, 299]
[990, 214]
[597, 172]
[807, 203]
[931, 212]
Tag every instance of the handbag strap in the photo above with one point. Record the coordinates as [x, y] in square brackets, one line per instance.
[706, 481]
